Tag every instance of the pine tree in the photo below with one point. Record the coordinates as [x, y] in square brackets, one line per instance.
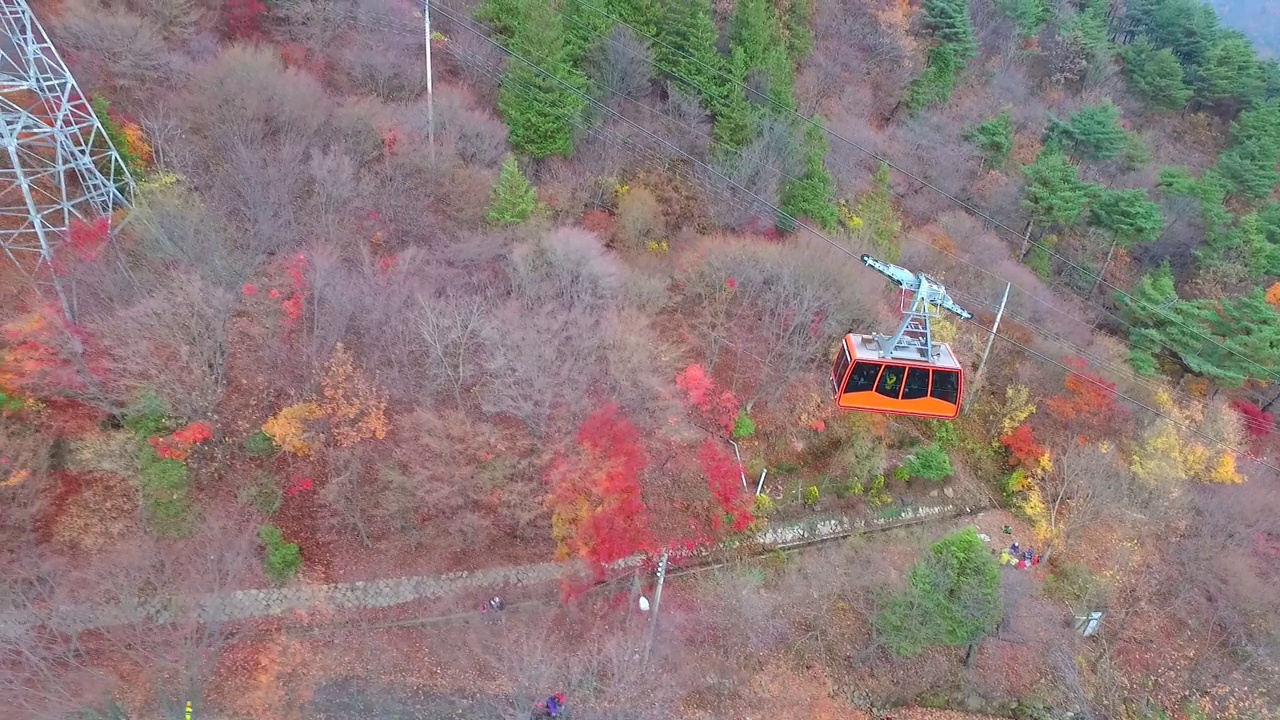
[935, 85]
[812, 195]
[1055, 193]
[1128, 215]
[1249, 166]
[1093, 133]
[1231, 77]
[1155, 76]
[687, 50]
[514, 197]
[1030, 15]
[755, 31]
[543, 98]
[952, 598]
[586, 21]
[798, 21]
[994, 137]
[949, 22]
[736, 117]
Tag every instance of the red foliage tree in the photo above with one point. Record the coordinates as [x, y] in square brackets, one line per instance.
[86, 239]
[724, 478]
[715, 404]
[244, 17]
[598, 509]
[1257, 422]
[177, 445]
[1024, 450]
[1087, 404]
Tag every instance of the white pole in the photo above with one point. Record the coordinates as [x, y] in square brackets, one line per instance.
[741, 473]
[431, 116]
[760, 485]
[994, 328]
[657, 599]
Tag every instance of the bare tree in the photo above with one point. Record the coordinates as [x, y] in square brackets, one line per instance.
[453, 332]
[620, 64]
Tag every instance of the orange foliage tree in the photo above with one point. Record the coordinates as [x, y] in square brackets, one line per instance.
[288, 428]
[598, 512]
[355, 408]
[177, 445]
[1087, 403]
[36, 357]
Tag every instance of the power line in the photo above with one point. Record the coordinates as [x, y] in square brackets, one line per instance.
[1271, 374]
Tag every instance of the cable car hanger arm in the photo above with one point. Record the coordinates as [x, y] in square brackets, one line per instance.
[930, 291]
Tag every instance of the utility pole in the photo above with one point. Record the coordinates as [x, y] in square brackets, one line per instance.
[431, 116]
[994, 328]
[657, 600]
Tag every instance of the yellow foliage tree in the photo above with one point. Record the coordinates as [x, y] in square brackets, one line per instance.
[355, 408]
[1017, 407]
[288, 428]
[1190, 443]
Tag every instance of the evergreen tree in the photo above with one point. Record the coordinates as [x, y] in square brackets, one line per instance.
[514, 198]
[1248, 167]
[812, 195]
[756, 32]
[1055, 193]
[994, 137]
[1030, 15]
[1187, 27]
[1231, 77]
[1246, 250]
[952, 598]
[1155, 76]
[736, 118]
[687, 51]
[503, 16]
[542, 99]
[1128, 215]
[1094, 133]
[799, 18]
[586, 22]
[643, 15]
[935, 85]
[949, 22]
[1149, 308]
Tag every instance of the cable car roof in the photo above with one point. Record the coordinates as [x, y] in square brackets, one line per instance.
[866, 347]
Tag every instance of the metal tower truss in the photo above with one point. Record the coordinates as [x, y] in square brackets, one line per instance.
[57, 162]
[923, 298]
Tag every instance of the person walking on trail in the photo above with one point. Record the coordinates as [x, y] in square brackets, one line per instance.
[496, 603]
[553, 705]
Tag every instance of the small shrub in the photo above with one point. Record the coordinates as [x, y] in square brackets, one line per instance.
[283, 559]
[945, 433]
[811, 496]
[639, 218]
[763, 505]
[930, 462]
[902, 474]
[164, 493]
[514, 197]
[264, 494]
[877, 495]
[148, 417]
[260, 444]
[743, 427]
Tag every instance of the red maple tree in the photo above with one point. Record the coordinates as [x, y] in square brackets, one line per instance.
[716, 405]
[1024, 450]
[1257, 422]
[598, 509]
[724, 478]
[1087, 404]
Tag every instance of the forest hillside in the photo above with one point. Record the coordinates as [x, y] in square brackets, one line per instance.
[362, 347]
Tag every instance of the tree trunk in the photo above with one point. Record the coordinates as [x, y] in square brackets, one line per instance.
[1105, 264]
[971, 655]
[1272, 401]
[1026, 241]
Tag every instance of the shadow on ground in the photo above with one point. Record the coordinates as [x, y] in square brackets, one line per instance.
[358, 699]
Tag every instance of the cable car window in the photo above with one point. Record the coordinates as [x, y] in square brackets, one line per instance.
[863, 377]
[891, 381]
[917, 385]
[841, 367]
[946, 386]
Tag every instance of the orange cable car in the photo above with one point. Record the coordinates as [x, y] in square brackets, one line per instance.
[907, 373]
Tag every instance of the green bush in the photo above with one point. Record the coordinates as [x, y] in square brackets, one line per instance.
[901, 474]
[930, 462]
[877, 495]
[763, 505]
[148, 417]
[811, 496]
[744, 427]
[945, 433]
[264, 494]
[260, 444]
[283, 559]
[164, 493]
[1075, 585]
[9, 403]
[514, 198]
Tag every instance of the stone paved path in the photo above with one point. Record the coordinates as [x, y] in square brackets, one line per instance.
[268, 602]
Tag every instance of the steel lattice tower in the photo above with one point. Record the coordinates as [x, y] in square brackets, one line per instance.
[57, 162]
